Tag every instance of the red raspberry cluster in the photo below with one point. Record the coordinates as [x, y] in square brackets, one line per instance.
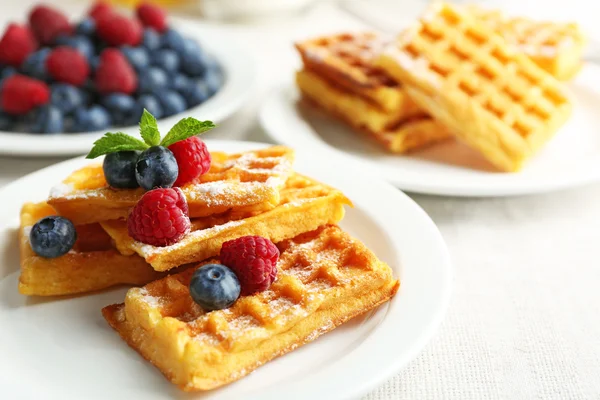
[65, 64]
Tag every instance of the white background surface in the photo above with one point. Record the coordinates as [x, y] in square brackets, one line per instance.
[524, 319]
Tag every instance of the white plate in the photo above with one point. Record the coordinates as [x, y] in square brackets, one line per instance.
[63, 349]
[238, 85]
[571, 158]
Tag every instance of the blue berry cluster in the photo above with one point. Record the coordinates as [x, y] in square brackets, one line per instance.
[174, 74]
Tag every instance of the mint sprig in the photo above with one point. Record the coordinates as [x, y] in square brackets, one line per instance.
[184, 129]
[149, 129]
[112, 142]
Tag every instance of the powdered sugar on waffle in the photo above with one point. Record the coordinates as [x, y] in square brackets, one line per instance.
[152, 301]
[26, 232]
[146, 250]
[61, 190]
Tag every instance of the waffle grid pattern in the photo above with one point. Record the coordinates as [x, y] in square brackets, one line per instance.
[448, 56]
[346, 60]
[325, 277]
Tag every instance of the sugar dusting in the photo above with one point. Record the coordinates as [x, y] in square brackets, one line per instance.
[146, 250]
[61, 190]
[26, 232]
[152, 301]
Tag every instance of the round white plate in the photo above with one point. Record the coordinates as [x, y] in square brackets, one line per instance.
[571, 158]
[237, 87]
[68, 350]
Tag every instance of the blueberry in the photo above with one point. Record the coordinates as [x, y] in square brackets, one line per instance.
[172, 103]
[35, 64]
[48, 119]
[151, 39]
[6, 72]
[6, 122]
[96, 118]
[119, 169]
[153, 80]
[52, 237]
[87, 27]
[180, 82]
[214, 287]
[66, 97]
[150, 103]
[137, 56]
[213, 77]
[191, 46]
[120, 106]
[69, 123]
[194, 63]
[173, 40]
[94, 62]
[156, 167]
[196, 93]
[80, 43]
[166, 59]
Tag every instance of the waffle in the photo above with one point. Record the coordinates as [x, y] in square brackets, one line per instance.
[248, 181]
[412, 133]
[92, 264]
[556, 47]
[347, 60]
[464, 75]
[324, 279]
[305, 205]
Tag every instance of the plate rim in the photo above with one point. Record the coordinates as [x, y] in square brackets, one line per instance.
[427, 331]
[240, 83]
[501, 186]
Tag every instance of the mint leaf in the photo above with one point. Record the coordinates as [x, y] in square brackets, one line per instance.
[149, 129]
[184, 129]
[113, 142]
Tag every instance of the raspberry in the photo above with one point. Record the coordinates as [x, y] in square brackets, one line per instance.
[16, 44]
[20, 94]
[254, 261]
[68, 65]
[152, 16]
[99, 9]
[193, 159]
[114, 73]
[160, 218]
[118, 30]
[48, 23]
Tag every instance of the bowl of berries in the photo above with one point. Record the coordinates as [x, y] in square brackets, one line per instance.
[65, 81]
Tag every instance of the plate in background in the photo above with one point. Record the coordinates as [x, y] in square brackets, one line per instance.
[236, 90]
[570, 159]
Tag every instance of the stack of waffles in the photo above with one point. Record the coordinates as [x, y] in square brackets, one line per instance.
[462, 72]
[325, 277]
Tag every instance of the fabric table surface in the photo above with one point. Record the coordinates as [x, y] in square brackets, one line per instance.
[523, 322]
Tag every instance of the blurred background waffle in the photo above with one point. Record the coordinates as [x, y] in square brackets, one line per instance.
[360, 77]
[339, 76]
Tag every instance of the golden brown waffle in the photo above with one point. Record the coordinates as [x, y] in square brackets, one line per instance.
[410, 134]
[497, 100]
[305, 205]
[347, 60]
[245, 182]
[324, 278]
[556, 47]
[92, 264]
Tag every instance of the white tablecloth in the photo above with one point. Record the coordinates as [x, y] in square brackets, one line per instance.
[524, 321]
